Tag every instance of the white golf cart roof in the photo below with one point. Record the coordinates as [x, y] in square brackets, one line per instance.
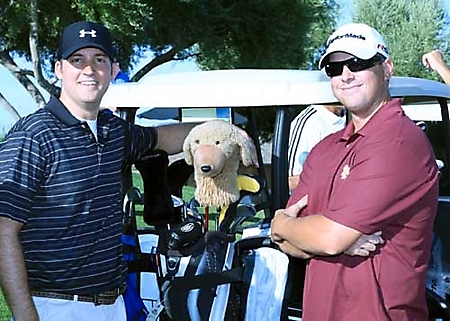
[249, 87]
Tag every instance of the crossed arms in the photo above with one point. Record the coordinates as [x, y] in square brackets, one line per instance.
[313, 235]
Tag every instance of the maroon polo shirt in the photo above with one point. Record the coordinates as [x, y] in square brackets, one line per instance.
[383, 178]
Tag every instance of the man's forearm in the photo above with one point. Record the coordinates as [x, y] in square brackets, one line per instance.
[13, 275]
[171, 137]
[313, 234]
[292, 250]
[295, 242]
[444, 72]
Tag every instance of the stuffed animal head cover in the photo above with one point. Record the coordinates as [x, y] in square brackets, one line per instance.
[215, 149]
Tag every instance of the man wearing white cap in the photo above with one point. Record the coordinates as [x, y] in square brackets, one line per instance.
[355, 186]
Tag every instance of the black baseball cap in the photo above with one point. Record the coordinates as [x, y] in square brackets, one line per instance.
[84, 34]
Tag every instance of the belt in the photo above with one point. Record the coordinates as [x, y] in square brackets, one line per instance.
[107, 298]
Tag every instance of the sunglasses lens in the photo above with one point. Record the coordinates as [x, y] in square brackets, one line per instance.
[334, 69]
[354, 64]
[358, 64]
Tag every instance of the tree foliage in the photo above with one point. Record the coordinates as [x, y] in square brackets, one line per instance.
[280, 34]
[220, 33]
[410, 27]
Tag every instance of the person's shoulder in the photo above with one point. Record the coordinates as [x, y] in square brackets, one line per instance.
[410, 131]
[108, 116]
[34, 122]
[330, 139]
[306, 115]
[309, 110]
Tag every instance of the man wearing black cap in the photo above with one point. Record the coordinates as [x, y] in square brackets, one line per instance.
[355, 183]
[85, 34]
[60, 190]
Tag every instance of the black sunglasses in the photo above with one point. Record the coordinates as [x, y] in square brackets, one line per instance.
[355, 64]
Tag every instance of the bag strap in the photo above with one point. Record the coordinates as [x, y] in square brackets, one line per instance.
[208, 280]
[127, 181]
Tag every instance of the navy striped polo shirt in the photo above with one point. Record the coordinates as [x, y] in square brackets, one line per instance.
[65, 187]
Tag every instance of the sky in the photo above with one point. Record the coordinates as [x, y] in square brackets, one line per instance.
[24, 104]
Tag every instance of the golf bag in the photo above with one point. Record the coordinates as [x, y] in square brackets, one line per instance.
[215, 277]
[134, 305]
[187, 273]
[196, 278]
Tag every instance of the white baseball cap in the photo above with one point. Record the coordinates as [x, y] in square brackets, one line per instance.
[357, 39]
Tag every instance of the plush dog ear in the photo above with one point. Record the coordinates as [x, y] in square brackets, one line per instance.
[187, 150]
[248, 149]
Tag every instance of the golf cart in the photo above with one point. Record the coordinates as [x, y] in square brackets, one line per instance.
[423, 100]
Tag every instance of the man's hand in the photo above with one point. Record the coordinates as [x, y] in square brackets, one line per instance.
[433, 59]
[294, 209]
[365, 244]
[292, 250]
[283, 215]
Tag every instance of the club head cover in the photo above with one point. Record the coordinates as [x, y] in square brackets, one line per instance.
[178, 173]
[158, 206]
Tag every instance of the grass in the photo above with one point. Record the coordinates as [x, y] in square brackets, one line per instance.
[4, 310]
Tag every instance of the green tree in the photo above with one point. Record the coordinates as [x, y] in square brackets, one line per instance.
[219, 33]
[410, 27]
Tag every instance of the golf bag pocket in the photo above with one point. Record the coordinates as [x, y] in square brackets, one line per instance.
[147, 268]
[142, 294]
[267, 284]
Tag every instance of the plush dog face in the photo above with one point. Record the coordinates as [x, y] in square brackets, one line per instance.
[210, 160]
[216, 148]
[209, 146]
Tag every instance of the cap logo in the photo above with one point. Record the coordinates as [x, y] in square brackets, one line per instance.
[92, 33]
[347, 35]
[383, 48]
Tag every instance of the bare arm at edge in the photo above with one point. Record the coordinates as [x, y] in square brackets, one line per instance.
[435, 61]
[13, 274]
[292, 250]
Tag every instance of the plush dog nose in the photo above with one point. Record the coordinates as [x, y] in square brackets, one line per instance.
[205, 168]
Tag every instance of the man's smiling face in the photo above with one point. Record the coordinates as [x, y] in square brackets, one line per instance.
[85, 76]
